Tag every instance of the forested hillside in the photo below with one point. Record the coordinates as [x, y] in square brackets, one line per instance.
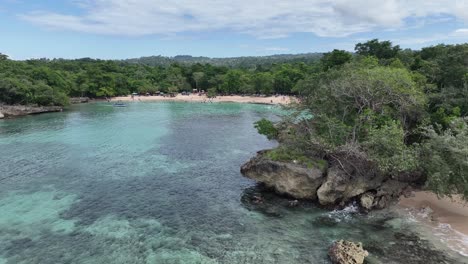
[234, 62]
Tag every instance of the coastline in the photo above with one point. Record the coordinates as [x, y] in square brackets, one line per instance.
[446, 218]
[271, 100]
[10, 111]
[445, 210]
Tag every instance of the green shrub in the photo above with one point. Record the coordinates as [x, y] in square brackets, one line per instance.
[267, 128]
[444, 158]
[292, 155]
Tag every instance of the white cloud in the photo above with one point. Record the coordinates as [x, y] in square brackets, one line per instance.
[261, 18]
[456, 35]
[276, 49]
[462, 33]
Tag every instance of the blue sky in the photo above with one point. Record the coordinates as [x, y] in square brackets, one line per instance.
[118, 29]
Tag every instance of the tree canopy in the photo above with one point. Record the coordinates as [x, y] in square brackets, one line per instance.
[24, 81]
[404, 111]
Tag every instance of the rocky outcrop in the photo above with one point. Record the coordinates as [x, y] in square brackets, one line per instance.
[341, 183]
[21, 110]
[345, 252]
[79, 100]
[288, 178]
[341, 186]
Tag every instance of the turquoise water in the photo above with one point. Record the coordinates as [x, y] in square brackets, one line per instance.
[160, 183]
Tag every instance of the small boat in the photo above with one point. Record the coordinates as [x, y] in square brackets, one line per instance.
[119, 104]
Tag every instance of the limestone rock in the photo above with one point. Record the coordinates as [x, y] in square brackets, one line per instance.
[292, 179]
[345, 252]
[382, 202]
[348, 178]
[79, 100]
[21, 110]
[341, 186]
[366, 200]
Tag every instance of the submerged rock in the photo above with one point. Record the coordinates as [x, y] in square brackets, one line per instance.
[288, 178]
[325, 221]
[293, 203]
[346, 252]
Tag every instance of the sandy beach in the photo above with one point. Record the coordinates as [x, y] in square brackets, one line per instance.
[449, 211]
[445, 218]
[196, 98]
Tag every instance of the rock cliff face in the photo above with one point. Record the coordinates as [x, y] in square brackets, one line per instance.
[336, 185]
[291, 179]
[21, 110]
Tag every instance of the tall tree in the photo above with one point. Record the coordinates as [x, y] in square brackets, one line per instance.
[376, 48]
[198, 77]
[335, 58]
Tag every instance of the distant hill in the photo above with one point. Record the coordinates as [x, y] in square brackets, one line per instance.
[238, 62]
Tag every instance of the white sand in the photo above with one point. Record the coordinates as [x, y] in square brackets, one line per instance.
[195, 98]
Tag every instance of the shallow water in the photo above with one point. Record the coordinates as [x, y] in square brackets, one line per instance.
[160, 183]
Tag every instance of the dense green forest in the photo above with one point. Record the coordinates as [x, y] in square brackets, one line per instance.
[235, 62]
[49, 82]
[395, 112]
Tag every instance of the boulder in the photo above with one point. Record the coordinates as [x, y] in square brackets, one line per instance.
[346, 252]
[366, 200]
[1, 115]
[341, 186]
[287, 178]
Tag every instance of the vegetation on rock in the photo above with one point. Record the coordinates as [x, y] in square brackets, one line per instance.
[390, 111]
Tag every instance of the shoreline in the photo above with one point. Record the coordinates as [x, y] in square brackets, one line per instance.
[271, 100]
[11, 111]
[445, 218]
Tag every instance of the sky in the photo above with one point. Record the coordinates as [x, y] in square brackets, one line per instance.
[119, 29]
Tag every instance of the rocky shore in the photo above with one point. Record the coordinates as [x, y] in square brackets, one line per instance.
[79, 100]
[7, 111]
[335, 184]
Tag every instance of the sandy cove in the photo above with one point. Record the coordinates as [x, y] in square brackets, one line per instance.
[447, 218]
[445, 210]
[196, 98]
